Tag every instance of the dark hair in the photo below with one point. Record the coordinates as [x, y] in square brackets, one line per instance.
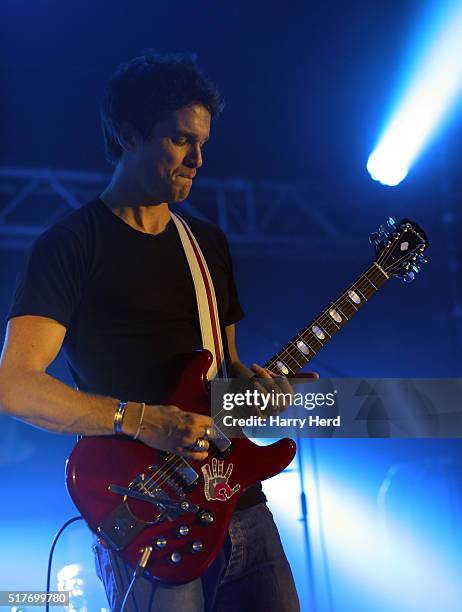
[146, 89]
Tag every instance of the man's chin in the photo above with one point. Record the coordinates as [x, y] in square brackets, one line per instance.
[179, 195]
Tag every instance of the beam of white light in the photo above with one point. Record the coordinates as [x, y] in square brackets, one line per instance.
[431, 96]
[400, 568]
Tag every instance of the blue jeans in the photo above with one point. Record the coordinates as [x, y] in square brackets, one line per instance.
[251, 574]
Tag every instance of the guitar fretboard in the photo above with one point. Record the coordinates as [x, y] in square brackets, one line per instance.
[310, 340]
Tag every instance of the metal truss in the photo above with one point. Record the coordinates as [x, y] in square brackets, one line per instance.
[254, 215]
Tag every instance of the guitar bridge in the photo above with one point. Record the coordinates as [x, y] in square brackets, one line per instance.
[120, 527]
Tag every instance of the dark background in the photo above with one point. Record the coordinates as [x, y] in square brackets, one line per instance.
[308, 88]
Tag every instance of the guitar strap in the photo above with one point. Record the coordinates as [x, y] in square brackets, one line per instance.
[205, 296]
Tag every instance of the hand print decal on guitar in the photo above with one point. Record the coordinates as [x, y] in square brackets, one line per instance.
[216, 485]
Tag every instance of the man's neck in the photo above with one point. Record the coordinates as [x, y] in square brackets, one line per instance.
[149, 218]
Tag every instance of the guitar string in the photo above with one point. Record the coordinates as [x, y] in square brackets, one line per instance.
[291, 350]
[339, 303]
[175, 461]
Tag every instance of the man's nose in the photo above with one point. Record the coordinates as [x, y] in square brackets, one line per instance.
[194, 158]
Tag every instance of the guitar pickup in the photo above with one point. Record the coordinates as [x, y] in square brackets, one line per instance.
[182, 469]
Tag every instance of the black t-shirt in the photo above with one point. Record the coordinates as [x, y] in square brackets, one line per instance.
[126, 299]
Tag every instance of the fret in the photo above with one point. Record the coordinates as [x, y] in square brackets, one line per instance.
[365, 276]
[310, 331]
[322, 328]
[345, 305]
[344, 316]
[294, 357]
[328, 321]
[284, 358]
[300, 365]
[288, 359]
[302, 338]
[357, 290]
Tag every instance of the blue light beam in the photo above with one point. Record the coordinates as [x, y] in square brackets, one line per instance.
[432, 94]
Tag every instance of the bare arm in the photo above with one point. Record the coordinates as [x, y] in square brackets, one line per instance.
[27, 392]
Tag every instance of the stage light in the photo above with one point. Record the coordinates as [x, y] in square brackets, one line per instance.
[400, 564]
[428, 101]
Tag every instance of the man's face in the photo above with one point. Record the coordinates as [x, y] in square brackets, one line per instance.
[165, 166]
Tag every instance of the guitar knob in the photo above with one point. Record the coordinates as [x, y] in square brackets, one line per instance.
[197, 546]
[409, 277]
[160, 543]
[374, 238]
[183, 530]
[206, 518]
[391, 222]
[175, 558]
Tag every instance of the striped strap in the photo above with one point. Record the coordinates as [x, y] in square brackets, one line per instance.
[205, 296]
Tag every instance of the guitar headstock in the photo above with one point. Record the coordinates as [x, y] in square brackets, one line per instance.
[400, 247]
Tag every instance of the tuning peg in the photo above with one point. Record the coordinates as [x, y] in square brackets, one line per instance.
[416, 268]
[422, 259]
[409, 277]
[374, 238]
[391, 222]
[382, 231]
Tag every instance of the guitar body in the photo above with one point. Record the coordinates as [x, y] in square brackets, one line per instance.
[134, 496]
[129, 525]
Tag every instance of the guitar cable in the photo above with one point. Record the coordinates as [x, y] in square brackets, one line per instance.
[146, 553]
[50, 556]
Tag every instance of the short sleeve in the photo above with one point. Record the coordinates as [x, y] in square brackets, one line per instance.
[51, 281]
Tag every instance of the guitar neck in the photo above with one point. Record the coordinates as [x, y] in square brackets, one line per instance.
[310, 340]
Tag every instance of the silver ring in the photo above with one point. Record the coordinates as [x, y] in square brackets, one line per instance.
[199, 444]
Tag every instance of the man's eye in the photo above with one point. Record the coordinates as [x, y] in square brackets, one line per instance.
[179, 141]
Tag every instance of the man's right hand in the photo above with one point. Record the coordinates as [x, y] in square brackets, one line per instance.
[168, 428]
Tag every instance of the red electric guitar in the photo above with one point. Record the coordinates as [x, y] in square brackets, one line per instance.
[134, 496]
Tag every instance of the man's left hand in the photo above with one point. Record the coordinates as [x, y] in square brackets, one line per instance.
[278, 386]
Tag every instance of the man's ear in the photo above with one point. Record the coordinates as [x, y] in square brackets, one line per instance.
[128, 137]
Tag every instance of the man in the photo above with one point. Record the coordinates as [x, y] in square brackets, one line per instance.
[110, 283]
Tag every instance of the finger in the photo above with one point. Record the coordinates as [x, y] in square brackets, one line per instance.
[189, 445]
[283, 383]
[262, 372]
[268, 383]
[263, 393]
[200, 420]
[204, 421]
[220, 467]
